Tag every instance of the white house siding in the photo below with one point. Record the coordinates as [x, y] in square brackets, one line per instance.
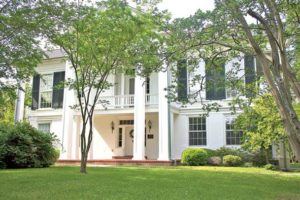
[215, 132]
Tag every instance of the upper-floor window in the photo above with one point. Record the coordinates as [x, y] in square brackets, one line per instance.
[46, 92]
[197, 131]
[233, 135]
[215, 80]
[182, 79]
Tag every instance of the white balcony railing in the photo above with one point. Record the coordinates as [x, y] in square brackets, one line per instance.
[125, 101]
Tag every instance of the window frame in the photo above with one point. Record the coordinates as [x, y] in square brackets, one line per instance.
[44, 123]
[45, 91]
[200, 133]
[236, 136]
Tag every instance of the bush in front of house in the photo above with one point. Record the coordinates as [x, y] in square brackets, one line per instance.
[210, 152]
[194, 157]
[232, 160]
[22, 146]
[245, 155]
[270, 167]
[214, 160]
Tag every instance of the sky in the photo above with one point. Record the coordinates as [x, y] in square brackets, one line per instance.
[184, 8]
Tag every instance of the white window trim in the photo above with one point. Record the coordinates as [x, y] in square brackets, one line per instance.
[40, 92]
[229, 117]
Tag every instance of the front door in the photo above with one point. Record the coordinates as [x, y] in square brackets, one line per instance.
[129, 141]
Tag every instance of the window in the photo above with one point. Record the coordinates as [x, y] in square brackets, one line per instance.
[197, 131]
[45, 127]
[126, 122]
[233, 136]
[182, 80]
[120, 137]
[215, 80]
[46, 91]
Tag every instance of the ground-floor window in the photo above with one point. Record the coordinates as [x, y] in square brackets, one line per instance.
[197, 131]
[233, 135]
[45, 127]
[120, 137]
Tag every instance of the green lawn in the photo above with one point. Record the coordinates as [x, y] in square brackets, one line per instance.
[149, 183]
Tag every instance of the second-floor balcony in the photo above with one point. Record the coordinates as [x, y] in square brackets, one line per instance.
[125, 101]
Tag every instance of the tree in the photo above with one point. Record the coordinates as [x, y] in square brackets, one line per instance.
[262, 125]
[19, 43]
[100, 40]
[273, 40]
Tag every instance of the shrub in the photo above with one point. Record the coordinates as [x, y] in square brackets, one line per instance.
[224, 151]
[23, 146]
[232, 160]
[259, 159]
[210, 152]
[248, 164]
[214, 160]
[194, 157]
[270, 167]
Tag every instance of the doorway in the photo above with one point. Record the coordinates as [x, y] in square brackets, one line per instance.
[129, 141]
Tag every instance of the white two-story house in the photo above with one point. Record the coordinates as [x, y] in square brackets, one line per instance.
[138, 123]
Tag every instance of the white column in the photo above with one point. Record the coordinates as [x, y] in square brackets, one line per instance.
[122, 88]
[19, 107]
[139, 119]
[163, 153]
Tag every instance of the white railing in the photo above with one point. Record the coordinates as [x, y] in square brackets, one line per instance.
[125, 101]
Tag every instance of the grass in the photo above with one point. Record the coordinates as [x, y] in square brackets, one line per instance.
[149, 183]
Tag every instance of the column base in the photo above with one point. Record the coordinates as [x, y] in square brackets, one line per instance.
[163, 158]
[138, 158]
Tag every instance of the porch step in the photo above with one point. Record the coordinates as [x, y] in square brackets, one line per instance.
[122, 157]
[119, 162]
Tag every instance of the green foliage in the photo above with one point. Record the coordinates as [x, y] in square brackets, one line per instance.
[194, 157]
[23, 146]
[19, 41]
[259, 158]
[270, 167]
[224, 151]
[210, 152]
[232, 160]
[261, 124]
[246, 156]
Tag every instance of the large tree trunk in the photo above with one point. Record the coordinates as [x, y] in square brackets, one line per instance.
[293, 139]
[277, 80]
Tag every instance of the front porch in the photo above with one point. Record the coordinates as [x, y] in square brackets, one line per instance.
[114, 140]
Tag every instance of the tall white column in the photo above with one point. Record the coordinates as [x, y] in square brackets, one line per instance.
[139, 119]
[19, 107]
[163, 153]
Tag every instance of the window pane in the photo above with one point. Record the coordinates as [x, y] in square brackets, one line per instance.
[197, 131]
[46, 99]
[233, 136]
[45, 127]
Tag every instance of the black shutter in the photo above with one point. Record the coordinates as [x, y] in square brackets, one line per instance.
[58, 93]
[209, 83]
[35, 92]
[182, 80]
[249, 75]
[220, 82]
[215, 80]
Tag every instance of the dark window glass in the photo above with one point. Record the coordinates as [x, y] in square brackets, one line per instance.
[197, 131]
